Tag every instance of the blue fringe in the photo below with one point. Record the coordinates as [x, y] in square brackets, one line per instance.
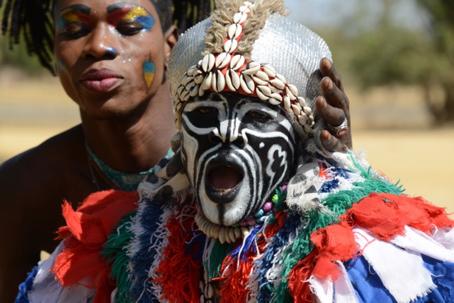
[264, 264]
[248, 246]
[26, 286]
[142, 261]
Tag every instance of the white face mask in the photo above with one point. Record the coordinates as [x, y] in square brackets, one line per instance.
[236, 151]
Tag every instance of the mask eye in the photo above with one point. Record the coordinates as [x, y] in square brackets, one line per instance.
[206, 110]
[203, 116]
[255, 116]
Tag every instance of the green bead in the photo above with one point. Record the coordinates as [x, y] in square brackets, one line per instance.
[275, 198]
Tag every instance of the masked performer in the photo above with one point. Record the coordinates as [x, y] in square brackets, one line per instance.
[111, 57]
[250, 208]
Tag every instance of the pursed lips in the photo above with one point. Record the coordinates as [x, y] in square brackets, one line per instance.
[100, 80]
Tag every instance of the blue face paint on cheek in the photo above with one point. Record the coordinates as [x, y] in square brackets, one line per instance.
[149, 69]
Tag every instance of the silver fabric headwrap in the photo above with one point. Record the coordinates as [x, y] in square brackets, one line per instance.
[292, 49]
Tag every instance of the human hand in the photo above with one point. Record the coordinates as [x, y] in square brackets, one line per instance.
[333, 107]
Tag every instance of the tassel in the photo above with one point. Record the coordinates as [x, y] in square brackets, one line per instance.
[178, 274]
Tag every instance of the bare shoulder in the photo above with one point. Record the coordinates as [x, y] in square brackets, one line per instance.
[38, 168]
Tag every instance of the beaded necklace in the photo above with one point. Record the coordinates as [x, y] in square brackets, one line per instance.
[118, 179]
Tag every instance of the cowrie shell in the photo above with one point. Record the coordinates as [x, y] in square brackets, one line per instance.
[220, 82]
[293, 89]
[235, 79]
[262, 92]
[296, 109]
[210, 291]
[230, 45]
[276, 96]
[245, 9]
[262, 75]
[282, 78]
[274, 101]
[259, 81]
[232, 80]
[213, 81]
[287, 103]
[237, 62]
[277, 83]
[222, 236]
[234, 31]
[302, 102]
[252, 68]
[302, 119]
[247, 84]
[290, 94]
[307, 109]
[237, 232]
[208, 62]
[239, 18]
[265, 90]
[206, 84]
[231, 236]
[222, 60]
[269, 70]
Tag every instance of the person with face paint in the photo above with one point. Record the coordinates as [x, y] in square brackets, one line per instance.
[111, 58]
[251, 208]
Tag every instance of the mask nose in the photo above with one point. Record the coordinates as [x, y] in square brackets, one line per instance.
[228, 132]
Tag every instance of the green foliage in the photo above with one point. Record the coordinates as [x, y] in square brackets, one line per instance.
[393, 55]
[389, 54]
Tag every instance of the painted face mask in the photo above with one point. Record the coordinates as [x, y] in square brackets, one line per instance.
[236, 150]
[244, 109]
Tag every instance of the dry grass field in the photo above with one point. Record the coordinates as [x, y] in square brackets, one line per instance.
[391, 128]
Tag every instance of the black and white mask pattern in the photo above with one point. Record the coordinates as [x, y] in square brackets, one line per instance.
[235, 151]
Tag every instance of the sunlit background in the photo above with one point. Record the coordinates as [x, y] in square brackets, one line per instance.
[396, 58]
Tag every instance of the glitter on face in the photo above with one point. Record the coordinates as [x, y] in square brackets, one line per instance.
[125, 14]
[149, 69]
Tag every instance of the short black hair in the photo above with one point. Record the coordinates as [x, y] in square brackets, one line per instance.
[32, 21]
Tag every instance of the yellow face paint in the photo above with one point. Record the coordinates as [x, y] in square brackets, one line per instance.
[149, 69]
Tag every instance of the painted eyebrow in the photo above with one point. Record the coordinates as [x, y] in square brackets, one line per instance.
[123, 5]
[78, 8]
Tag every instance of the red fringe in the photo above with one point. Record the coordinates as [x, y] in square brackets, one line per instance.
[384, 215]
[235, 278]
[84, 235]
[333, 243]
[178, 273]
[298, 283]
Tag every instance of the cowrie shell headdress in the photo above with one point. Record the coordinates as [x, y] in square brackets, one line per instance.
[250, 49]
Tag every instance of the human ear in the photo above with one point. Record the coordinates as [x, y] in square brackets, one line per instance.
[171, 37]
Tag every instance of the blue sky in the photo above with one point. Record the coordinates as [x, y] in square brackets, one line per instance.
[332, 12]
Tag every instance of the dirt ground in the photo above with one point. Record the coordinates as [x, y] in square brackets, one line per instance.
[391, 128]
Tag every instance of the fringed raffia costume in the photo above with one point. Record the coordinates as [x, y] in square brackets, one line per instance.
[332, 230]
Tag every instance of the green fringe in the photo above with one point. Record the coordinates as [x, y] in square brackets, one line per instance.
[115, 251]
[217, 255]
[338, 204]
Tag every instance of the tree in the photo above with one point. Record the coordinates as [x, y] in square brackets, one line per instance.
[390, 54]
